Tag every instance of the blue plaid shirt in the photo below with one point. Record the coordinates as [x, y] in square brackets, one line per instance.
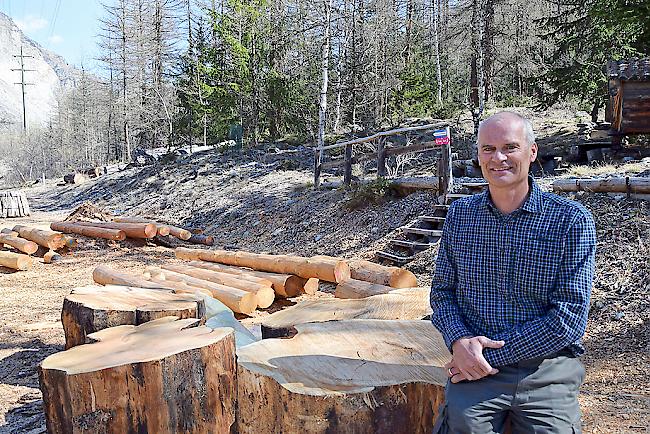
[524, 278]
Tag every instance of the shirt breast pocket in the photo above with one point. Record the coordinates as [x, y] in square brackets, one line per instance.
[536, 265]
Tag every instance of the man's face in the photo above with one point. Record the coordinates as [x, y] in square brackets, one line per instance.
[503, 153]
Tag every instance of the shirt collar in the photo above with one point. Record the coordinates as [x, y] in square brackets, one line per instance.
[532, 205]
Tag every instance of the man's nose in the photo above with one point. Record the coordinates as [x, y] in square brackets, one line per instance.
[499, 156]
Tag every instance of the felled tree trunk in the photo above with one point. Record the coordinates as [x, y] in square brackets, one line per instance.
[93, 308]
[323, 268]
[21, 244]
[402, 304]
[16, 261]
[88, 231]
[165, 376]
[394, 277]
[132, 230]
[604, 185]
[360, 376]
[48, 239]
[105, 275]
[353, 288]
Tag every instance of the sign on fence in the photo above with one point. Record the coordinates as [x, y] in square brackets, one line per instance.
[441, 136]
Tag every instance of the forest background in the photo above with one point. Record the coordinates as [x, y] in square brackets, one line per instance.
[188, 72]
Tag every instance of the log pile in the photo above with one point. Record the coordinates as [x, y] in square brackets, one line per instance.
[29, 241]
[163, 376]
[636, 185]
[13, 204]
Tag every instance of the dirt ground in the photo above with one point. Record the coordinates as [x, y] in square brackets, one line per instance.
[615, 397]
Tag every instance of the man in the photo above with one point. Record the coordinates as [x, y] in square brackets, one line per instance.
[510, 294]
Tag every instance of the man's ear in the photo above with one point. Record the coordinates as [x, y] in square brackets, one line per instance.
[533, 152]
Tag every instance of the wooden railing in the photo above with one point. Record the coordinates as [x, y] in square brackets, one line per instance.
[444, 162]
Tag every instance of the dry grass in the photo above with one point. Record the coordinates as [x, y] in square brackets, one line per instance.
[602, 169]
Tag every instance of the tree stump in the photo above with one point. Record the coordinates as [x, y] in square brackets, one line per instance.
[165, 376]
[13, 204]
[359, 376]
[405, 304]
[93, 308]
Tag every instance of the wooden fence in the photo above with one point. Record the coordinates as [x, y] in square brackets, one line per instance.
[444, 162]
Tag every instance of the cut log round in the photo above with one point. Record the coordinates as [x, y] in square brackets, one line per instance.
[328, 269]
[164, 376]
[284, 285]
[240, 300]
[89, 231]
[359, 376]
[180, 233]
[18, 243]
[93, 308]
[48, 239]
[353, 288]
[16, 261]
[399, 304]
[51, 256]
[132, 230]
[13, 204]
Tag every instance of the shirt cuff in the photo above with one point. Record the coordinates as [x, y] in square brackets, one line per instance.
[454, 332]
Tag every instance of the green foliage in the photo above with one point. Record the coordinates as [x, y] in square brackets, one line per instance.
[586, 37]
[372, 193]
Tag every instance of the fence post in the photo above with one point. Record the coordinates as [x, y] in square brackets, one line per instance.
[347, 174]
[381, 159]
[317, 167]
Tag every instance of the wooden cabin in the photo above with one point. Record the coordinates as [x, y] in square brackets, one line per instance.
[628, 109]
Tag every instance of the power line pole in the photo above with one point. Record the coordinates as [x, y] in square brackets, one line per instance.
[22, 82]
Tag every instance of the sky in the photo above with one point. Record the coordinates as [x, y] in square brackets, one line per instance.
[66, 27]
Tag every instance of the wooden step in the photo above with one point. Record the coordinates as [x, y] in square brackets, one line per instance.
[424, 232]
[412, 244]
[395, 258]
[441, 207]
[431, 219]
[455, 196]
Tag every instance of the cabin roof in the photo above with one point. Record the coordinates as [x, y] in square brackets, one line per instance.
[629, 69]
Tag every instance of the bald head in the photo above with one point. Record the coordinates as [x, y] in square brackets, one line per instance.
[511, 118]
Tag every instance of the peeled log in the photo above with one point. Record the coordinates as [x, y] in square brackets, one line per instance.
[394, 277]
[237, 299]
[604, 185]
[89, 231]
[132, 230]
[16, 261]
[284, 285]
[359, 376]
[328, 269]
[165, 376]
[353, 288]
[48, 239]
[21, 244]
[399, 304]
[180, 233]
[105, 275]
[93, 308]
[247, 283]
[162, 230]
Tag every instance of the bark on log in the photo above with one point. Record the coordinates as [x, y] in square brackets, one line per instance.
[207, 240]
[353, 288]
[608, 185]
[18, 243]
[237, 299]
[328, 269]
[359, 376]
[49, 239]
[399, 304]
[13, 204]
[89, 231]
[16, 261]
[394, 277]
[165, 376]
[93, 308]
[132, 230]
[284, 285]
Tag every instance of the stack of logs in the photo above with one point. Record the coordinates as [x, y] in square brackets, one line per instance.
[30, 241]
[366, 364]
[126, 227]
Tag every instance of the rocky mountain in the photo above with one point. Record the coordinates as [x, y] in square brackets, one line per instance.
[50, 75]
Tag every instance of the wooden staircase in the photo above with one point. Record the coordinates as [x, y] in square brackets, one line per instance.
[425, 231]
